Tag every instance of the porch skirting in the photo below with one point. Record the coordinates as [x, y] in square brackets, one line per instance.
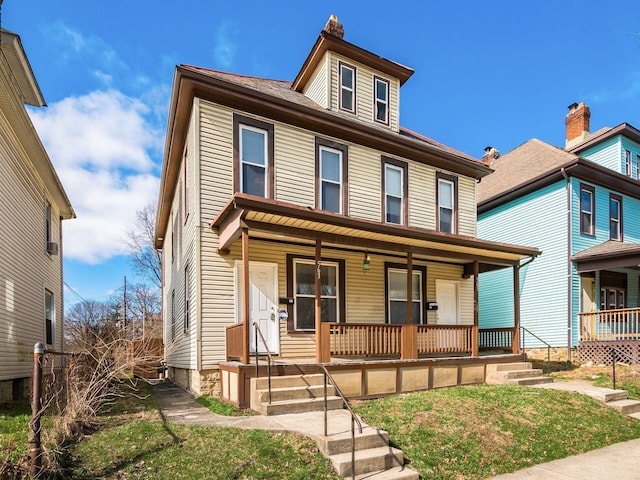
[368, 378]
[599, 352]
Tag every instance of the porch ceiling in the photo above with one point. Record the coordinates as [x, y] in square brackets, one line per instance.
[272, 219]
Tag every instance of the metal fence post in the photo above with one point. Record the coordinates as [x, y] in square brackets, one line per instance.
[36, 411]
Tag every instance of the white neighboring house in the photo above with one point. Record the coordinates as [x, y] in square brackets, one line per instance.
[33, 204]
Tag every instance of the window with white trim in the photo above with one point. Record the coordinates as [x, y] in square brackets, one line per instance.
[394, 204]
[615, 217]
[187, 295]
[253, 160]
[173, 315]
[381, 96]
[628, 163]
[330, 179]
[48, 225]
[587, 208]
[396, 293]
[304, 288]
[447, 193]
[347, 88]
[49, 317]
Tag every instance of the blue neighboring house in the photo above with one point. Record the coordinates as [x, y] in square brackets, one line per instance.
[580, 205]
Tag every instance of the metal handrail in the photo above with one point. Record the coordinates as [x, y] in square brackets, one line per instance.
[614, 351]
[354, 417]
[270, 358]
[524, 329]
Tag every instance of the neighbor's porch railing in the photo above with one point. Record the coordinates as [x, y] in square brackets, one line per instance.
[496, 338]
[408, 341]
[620, 324]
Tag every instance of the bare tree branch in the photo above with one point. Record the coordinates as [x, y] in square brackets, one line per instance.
[145, 258]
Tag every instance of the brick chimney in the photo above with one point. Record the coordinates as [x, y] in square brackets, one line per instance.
[334, 27]
[577, 123]
[490, 155]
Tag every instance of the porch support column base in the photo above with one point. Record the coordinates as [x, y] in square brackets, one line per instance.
[475, 339]
[409, 350]
[323, 354]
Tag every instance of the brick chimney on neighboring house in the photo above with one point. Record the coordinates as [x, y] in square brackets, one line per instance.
[334, 27]
[577, 122]
[490, 155]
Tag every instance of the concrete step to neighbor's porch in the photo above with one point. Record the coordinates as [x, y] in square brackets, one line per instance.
[520, 373]
[369, 460]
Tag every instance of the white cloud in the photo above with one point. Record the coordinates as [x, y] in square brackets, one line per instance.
[102, 145]
[225, 48]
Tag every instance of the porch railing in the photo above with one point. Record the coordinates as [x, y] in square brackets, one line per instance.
[383, 339]
[620, 324]
[496, 338]
[444, 338]
[235, 339]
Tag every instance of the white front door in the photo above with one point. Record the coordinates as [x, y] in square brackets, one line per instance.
[447, 298]
[263, 306]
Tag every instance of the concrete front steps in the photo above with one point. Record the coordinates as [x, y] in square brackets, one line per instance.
[292, 394]
[520, 373]
[375, 459]
[616, 399]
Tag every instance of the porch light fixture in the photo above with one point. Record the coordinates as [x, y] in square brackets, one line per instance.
[367, 262]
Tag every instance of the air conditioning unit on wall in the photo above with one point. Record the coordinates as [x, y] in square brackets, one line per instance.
[52, 248]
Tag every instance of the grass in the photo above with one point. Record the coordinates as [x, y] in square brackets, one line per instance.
[459, 433]
[137, 443]
[627, 377]
[479, 431]
[221, 408]
[14, 429]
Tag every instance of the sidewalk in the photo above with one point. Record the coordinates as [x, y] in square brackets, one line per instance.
[620, 461]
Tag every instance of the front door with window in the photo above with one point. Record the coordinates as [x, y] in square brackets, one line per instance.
[262, 306]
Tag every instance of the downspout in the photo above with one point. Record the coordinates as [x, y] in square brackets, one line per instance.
[569, 241]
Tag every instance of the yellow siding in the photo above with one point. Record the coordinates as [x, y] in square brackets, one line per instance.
[26, 269]
[467, 212]
[317, 88]
[364, 188]
[422, 196]
[295, 165]
[364, 92]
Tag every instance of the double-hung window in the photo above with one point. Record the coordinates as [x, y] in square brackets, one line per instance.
[173, 315]
[187, 294]
[48, 226]
[347, 88]
[396, 293]
[49, 317]
[253, 161]
[615, 217]
[628, 163]
[331, 174]
[304, 286]
[381, 95]
[638, 167]
[447, 196]
[587, 209]
[253, 154]
[394, 191]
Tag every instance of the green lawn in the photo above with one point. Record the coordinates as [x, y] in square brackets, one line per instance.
[479, 431]
[458, 433]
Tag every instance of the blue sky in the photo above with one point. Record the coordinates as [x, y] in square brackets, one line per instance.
[486, 73]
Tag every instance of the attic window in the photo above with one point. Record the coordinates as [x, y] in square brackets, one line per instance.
[347, 88]
[381, 91]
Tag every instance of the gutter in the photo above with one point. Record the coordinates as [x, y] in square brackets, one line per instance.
[569, 273]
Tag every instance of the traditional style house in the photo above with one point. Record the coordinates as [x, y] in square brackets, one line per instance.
[34, 204]
[580, 205]
[305, 208]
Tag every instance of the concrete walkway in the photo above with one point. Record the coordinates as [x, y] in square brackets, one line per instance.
[620, 461]
[178, 406]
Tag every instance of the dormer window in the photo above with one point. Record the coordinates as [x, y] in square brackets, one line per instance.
[347, 88]
[381, 94]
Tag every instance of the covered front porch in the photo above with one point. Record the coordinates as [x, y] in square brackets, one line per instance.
[251, 226]
[610, 300]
